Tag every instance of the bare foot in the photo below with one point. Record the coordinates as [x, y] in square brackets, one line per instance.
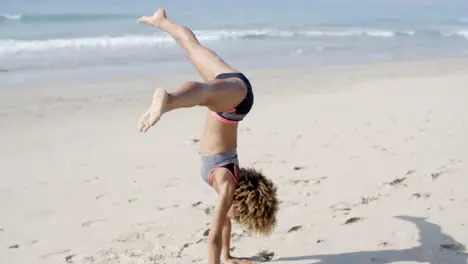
[155, 111]
[156, 19]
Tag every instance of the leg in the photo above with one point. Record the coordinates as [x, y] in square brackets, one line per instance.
[206, 61]
[188, 95]
[219, 95]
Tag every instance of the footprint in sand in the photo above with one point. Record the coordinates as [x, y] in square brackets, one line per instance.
[147, 223]
[295, 228]
[299, 181]
[353, 220]
[265, 255]
[384, 244]
[89, 260]
[378, 147]
[132, 236]
[444, 169]
[90, 179]
[203, 233]
[341, 206]
[237, 236]
[295, 140]
[196, 204]
[91, 222]
[60, 252]
[186, 245]
[397, 182]
[309, 181]
[207, 208]
[436, 175]
[410, 138]
[69, 258]
[367, 200]
[421, 195]
[159, 208]
[400, 181]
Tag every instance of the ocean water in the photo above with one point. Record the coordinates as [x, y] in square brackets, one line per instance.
[56, 39]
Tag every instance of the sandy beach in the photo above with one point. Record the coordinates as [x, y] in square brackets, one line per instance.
[370, 162]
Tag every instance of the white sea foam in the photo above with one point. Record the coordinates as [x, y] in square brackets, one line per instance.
[461, 33]
[16, 46]
[11, 17]
[13, 46]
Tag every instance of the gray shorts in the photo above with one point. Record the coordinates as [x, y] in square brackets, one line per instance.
[227, 160]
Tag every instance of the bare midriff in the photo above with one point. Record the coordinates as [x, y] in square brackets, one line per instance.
[218, 137]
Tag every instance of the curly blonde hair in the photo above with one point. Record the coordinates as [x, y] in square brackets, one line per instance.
[255, 202]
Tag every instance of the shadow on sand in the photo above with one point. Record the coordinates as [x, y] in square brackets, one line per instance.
[430, 251]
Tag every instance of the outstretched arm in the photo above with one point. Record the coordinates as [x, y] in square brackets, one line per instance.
[227, 246]
[215, 238]
[227, 239]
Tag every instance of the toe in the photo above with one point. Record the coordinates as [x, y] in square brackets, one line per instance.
[143, 19]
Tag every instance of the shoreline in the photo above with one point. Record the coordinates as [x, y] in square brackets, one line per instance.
[186, 68]
[446, 63]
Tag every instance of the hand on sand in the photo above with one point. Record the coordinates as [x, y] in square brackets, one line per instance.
[154, 20]
[155, 111]
[233, 260]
